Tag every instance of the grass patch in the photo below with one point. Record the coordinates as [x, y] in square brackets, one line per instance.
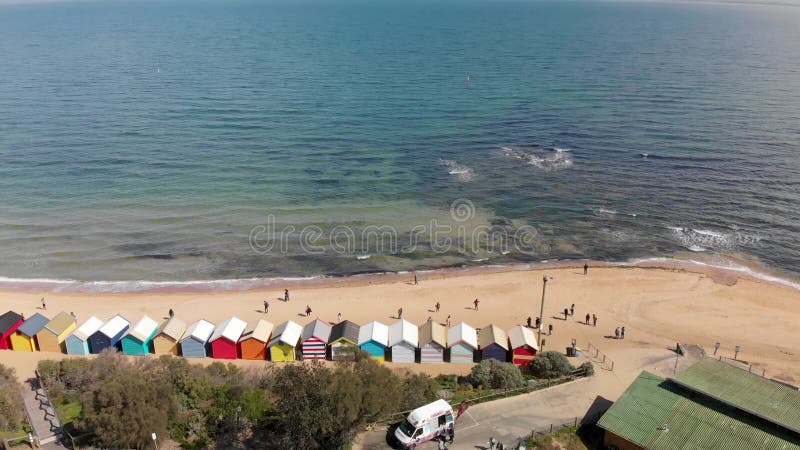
[581, 437]
[69, 411]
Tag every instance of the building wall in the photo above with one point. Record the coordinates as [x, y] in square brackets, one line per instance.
[523, 355]
[493, 351]
[253, 349]
[50, 342]
[22, 343]
[612, 439]
[5, 339]
[165, 345]
[339, 350]
[223, 349]
[431, 353]
[76, 346]
[282, 353]
[403, 352]
[133, 346]
[375, 350]
[99, 342]
[191, 348]
[462, 353]
[313, 348]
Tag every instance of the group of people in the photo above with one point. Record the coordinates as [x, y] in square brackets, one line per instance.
[619, 333]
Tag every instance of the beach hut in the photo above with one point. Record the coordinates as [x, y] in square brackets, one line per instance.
[139, 340]
[523, 345]
[109, 335]
[403, 341]
[343, 341]
[283, 345]
[373, 338]
[493, 343]
[432, 342]
[53, 336]
[462, 343]
[9, 322]
[225, 339]
[24, 339]
[315, 338]
[194, 340]
[253, 343]
[77, 343]
[169, 333]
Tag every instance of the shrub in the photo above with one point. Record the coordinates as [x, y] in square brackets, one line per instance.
[550, 364]
[588, 368]
[12, 411]
[496, 375]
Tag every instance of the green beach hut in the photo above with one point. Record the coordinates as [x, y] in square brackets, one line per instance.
[139, 340]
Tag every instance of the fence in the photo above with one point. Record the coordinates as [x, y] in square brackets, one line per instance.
[600, 358]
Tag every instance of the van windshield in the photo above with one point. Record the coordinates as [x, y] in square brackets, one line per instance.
[407, 429]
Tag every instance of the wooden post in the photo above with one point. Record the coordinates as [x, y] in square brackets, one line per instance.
[551, 427]
[612, 366]
[576, 422]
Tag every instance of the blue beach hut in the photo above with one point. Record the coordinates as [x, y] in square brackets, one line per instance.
[493, 343]
[109, 335]
[139, 340]
[195, 341]
[373, 338]
[77, 343]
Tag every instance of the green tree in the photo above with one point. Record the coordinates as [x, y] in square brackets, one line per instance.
[12, 411]
[550, 364]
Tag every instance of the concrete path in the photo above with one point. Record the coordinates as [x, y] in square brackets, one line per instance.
[41, 414]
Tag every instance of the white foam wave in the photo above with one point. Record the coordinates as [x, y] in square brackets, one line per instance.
[363, 256]
[559, 159]
[460, 172]
[57, 285]
[727, 266]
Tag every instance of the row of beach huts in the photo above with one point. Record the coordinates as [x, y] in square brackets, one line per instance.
[234, 338]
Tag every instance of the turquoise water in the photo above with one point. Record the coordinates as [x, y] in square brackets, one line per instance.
[145, 140]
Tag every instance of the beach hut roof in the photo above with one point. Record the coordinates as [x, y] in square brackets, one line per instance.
[423, 413]
[200, 331]
[403, 331]
[318, 329]
[260, 330]
[344, 329]
[520, 336]
[114, 326]
[230, 329]
[374, 331]
[60, 323]
[288, 333]
[8, 320]
[88, 328]
[492, 334]
[144, 328]
[431, 331]
[462, 333]
[173, 328]
[33, 325]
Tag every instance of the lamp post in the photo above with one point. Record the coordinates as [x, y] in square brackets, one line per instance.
[155, 444]
[541, 312]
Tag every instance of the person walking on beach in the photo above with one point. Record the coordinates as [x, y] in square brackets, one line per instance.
[266, 306]
[529, 321]
[400, 313]
[594, 320]
[44, 305]
[448, 321]
[566, 313]
[538, 323]
[550, 329]
[572, 310]
[339, 317]
[286, 295]
[622, 333]
[438, 306]
[171, 313]
[587, 318]
[416, 279]
[308, 310]
[476, 303]
[616, 333]
[492, 443]
[585, 268]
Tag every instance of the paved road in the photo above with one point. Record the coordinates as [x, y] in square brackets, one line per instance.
[512, 418]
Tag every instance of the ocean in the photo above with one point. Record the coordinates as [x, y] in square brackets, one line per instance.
[192, 141]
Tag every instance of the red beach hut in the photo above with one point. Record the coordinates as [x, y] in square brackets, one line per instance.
[523, 345]
[9, 322]
[225, 337]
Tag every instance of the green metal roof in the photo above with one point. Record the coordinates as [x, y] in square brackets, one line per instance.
[657, 414]
[749, 392]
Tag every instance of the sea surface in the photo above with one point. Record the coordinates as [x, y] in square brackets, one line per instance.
[216, 140]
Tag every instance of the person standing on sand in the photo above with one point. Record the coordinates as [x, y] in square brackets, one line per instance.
[171, 313]
[44, 305]
[400, 313]
[448, 321]
[438, 306]
[416, 280]
[616, 333]
[339, 317]
[476, 303]
[585, 268]
[572, 310]
[529, 321]
[308, 310]
[550, 329]
[622, 333]
[587, 318]
[538, 323]
[566, 313]
[266, 306]
[286, 295]
[594, 320]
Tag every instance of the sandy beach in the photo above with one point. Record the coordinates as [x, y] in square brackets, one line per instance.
[657, 306]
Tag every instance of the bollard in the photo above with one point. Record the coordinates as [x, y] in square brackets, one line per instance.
[750, 368]
[604, 358]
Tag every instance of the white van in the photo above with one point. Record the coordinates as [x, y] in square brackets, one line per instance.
[425, 423]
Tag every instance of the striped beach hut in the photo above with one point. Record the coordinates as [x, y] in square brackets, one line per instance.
[9, 322]
[432, 342]
[283, 345]
[253, 343]
[315, 338]
[24, 339]
[77, 343]
[373, 338]
[462, 343]
[523, 345]
[403, 341]
[169, 333]
[139, 340]
[109, 335]
[225, 339]
[493, 343]
[343, 340]
[194, 340]
[54, 335]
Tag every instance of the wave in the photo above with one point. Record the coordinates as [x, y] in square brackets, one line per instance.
[559, 159]
[56, 285]
[460, 172]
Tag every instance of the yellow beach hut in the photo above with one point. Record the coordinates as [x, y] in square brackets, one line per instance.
[283, 345]
[168, 335]
[24, 339]
[52, 338]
